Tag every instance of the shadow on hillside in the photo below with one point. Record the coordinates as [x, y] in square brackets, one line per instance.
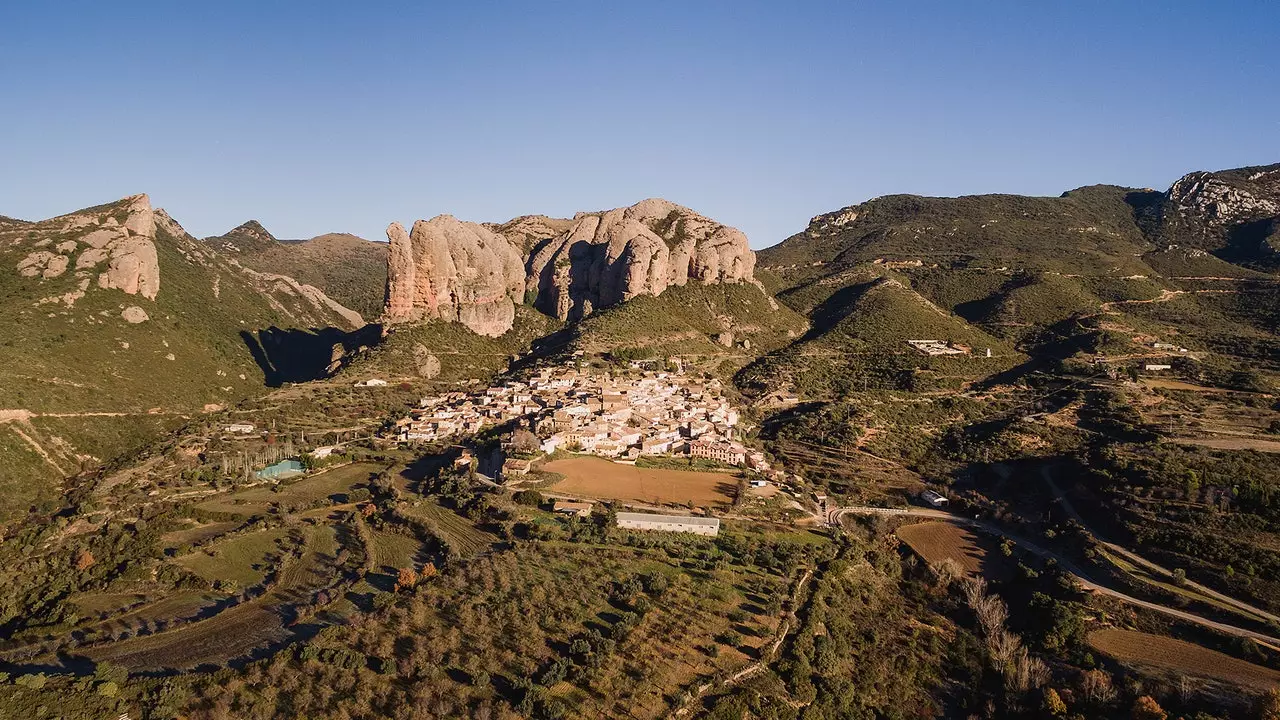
[295, 355]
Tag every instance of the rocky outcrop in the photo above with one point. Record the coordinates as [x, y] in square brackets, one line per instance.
[114, 244]
[475, 274]
[1235, 214]
[452, 270]
[606, 258]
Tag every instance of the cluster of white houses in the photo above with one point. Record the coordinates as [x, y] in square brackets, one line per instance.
[643, 413]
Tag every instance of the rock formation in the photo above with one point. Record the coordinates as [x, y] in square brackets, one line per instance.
[116, 244]
[452, 270]
[475, 274]
[610, 257]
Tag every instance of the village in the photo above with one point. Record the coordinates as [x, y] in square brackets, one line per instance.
[641, 413]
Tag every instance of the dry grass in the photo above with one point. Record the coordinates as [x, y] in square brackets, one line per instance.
[1164, 653]
[599, 478]
[939, 541]
[1233, 443]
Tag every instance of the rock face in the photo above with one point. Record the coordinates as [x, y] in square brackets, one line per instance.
[115, 245]
[606, 258]
[452, 270]
[1233, 213]
[475, 274]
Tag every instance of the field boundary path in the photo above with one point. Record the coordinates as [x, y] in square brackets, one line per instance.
[834, 515]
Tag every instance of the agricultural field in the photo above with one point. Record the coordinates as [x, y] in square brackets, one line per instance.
[198, 533]
[240, 559]
[258, 499]
[599, 478]
[237, 631]
[461, 534]
[939, 541]
[1176, 656]
[392, 551]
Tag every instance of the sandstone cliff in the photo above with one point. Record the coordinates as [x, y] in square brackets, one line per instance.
[610, 257]
[452, 270]
[474, 274]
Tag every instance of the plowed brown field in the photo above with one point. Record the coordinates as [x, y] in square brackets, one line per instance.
[1139, 648]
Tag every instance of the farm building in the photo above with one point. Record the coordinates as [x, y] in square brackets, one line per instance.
[371, 382]
[669, 523]
[1154, 367]
[514, 467]
[240, 428]
[934, 499]
[577, 509]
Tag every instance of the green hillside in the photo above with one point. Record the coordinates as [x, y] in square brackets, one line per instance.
[91, 384]
[347, 268]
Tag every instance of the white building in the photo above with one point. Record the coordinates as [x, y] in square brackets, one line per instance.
[669, 523]
[240, 428]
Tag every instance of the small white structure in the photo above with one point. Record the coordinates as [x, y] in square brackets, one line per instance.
[323, 452]
[240, 428]
[934, 499]
[372, 382]
[1156, 367]
[759, 483]
[669, 523]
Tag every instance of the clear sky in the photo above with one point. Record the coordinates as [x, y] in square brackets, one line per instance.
[344, 116]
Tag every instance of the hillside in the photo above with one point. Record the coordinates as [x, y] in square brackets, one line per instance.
[117, 324]
[345, 267]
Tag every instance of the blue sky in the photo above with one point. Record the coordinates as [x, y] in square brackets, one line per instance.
[340, 116]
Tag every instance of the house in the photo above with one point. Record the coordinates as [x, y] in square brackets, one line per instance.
[464, 459]
[240, 428]
[709, 527]
[371, 382]
[1155, 367]
[576, 509]
[759, 483]
[323, 452]
[934, 499]
[514, 468]
[723, 452]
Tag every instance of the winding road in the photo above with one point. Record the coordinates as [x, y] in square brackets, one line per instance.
[834, 515]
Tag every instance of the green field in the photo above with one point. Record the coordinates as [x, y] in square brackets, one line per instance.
[258, 499]
[241, 559]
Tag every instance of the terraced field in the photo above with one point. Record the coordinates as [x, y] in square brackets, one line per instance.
[394, 551]
[238, 631]
[1163, 653]
[241, 558]
[458, 531]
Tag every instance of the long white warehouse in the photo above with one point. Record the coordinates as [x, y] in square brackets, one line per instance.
[669, 523]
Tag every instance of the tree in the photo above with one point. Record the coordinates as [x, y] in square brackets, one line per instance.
[1269, 705]
[84, 560]
[1146, 708]
[1053, 703]
[406, 579]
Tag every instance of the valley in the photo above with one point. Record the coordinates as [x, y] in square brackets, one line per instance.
[941, 456]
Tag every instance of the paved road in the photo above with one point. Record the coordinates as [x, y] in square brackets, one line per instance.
[834, 515]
